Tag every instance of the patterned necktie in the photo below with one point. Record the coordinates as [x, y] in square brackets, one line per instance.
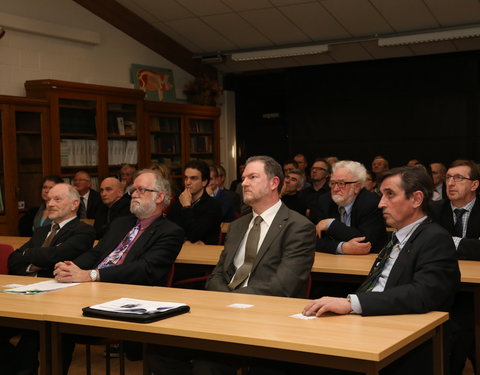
[113, 258]
[373, 276]
[251, 247]
[52, 234]
[458, 227]
[82, 210]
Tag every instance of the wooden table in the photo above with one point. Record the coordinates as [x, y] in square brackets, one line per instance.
[266, 330]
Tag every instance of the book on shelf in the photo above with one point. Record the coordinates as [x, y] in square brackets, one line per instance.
[130, 128]
[121, 125]
[81, 152]
[122, 151]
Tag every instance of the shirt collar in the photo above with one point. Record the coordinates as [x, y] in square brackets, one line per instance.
[269, 214]
[467, 207]
[404, 234]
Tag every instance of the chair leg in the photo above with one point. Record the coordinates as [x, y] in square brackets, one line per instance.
[88, 359]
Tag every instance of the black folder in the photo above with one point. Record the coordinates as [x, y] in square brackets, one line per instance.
[137, 318]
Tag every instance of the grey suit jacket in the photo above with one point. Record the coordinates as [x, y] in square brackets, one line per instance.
[283, 262]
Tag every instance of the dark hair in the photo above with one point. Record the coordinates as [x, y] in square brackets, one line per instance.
[271, 167]
[214, 170]
[372, 175]
[290, 161]
[474, 171]
[54, 178]
[201, 166]
[413, 179]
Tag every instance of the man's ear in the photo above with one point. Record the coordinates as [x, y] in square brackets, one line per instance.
[274, 182]
[418, 198]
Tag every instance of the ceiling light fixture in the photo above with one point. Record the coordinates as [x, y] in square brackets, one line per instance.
[279, 52]
[433, 36]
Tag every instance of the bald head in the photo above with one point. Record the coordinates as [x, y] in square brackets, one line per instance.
[111, 190]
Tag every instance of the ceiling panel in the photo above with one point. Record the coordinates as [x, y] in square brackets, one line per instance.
[433, 48]
[349, 52]
[200, 34]
[162, 10]
[275, 26]
[237, 30]
[386, 52]
[358, 17]
[406, 15]
[457, 12]
[323, 58]
[187, 43]
[467, 44]
[239, 5]
[205, 7]
[315, 21]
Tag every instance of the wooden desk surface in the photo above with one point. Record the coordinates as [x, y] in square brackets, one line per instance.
[266, 325]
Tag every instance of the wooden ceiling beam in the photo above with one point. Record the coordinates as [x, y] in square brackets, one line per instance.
[125, 20]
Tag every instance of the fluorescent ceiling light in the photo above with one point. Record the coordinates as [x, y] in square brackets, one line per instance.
[435, 36]
[279, 52]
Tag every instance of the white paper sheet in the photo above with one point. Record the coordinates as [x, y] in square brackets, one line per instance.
[42, 286]
[136, 306]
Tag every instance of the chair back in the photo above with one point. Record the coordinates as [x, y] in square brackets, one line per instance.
[5, 251]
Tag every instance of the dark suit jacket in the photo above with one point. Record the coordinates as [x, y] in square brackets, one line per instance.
[283, 262]
[72, 240]
[225, 198]
[424, 277]
[469, 247]
[200, 222]
[366, 220]
[149, 260]
[105, 215]
[94, 203]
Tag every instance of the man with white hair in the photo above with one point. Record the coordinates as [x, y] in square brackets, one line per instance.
[348, 220]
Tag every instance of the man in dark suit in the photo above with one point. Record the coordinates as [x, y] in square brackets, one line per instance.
[196, 212]
[348, 220]
[268, 252]
[460, 216]
[137, 249]
[65, 239]
[290, 194]
[89, 199]
[319, 174]
[68, 236]
[415, 273]
[222, 196]
[115, 204]
[438, 174]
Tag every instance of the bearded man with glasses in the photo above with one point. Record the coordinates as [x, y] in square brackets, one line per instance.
[348, 220]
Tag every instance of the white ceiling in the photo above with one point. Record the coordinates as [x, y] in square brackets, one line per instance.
[351, 27]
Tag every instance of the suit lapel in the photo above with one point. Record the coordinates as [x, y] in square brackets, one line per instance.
[142, 241]
[64, 232]
[474, 218]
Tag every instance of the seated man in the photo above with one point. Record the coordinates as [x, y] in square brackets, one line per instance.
[221, 195]
[319, 174]
[196, 212]
[65, 239]
[136, 249]
[348, 220]
[415, 273]
[115, 204]
[89, 199]
[290, 194]
[267, 252]
[460, 216]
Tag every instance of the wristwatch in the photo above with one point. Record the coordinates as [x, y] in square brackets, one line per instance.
[93, 275]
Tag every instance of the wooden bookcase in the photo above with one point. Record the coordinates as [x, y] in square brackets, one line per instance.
[25, 157]
[93, 128]
[180, 132]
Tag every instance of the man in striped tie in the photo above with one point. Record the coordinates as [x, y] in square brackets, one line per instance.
[415, 273]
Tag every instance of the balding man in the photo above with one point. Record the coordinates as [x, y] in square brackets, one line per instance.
[115, 204]
[65, 239]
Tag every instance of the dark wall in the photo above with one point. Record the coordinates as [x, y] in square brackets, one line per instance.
[425, 108]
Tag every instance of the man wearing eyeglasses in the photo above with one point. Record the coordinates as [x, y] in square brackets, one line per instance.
[89, 198]
[348, 220]
[319, 174]
[460, 216]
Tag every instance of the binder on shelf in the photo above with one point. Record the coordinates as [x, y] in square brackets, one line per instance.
[121, 125]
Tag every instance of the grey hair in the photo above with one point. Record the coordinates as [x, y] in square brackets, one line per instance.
[357, 169]
[301, 179]
[161, 184]
[271, 167]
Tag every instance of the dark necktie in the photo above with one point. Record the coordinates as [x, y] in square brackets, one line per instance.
[458, 227]
[53, 232]
[373, 276]
[82, 209]
[342, 212]
[251, 247]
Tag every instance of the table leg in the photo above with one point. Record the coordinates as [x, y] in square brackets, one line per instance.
[437, 348]
[56, 349]
[45, 354]
[476, 301]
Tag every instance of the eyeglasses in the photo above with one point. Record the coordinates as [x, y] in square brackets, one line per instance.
[318, 169]
[140, 190]
[340, 184]
[457, 178]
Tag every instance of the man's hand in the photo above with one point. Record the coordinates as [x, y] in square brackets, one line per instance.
[324, 304]
[356, 247]
[185, 198]
[69, 272]
[322, 226]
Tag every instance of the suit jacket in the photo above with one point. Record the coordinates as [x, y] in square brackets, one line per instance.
[72, 240]
[201, 222]
[149, 260]
[105, 215]
[283, 262]
[94, 203]
[424, 277]
[366, 220]
[469, 247]
[225, 198]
